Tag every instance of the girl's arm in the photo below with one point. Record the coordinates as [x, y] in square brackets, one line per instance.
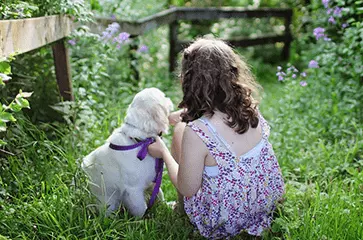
[187, 175]
[191, 163]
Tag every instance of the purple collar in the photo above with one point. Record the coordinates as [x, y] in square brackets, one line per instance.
[159, 163]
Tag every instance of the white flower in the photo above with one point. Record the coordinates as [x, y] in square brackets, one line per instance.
[4, 77]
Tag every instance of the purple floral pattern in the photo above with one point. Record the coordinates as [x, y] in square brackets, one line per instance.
[242, 197]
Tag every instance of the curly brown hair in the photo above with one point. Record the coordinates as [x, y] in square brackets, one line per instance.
[214, 78]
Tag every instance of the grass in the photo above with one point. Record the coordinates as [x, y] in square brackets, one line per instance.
[43, 192]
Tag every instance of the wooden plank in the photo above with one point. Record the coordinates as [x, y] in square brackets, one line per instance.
[212, 13]
[242, 42]
[173, 50]
[140, 26]
[23, 35]
[186, 13]
[247, 42]
[135, 74]
[63, 70]
[286, 50]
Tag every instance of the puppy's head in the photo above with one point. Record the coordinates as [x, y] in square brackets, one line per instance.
[147, 115]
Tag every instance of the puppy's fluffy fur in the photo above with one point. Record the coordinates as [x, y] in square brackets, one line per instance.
[119, 177]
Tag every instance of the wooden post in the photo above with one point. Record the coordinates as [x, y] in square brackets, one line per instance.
[23, 35]
[173, 40]
[286, 50]
[134, 45]
[63, 70]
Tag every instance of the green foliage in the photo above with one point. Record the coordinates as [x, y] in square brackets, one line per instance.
[317, 133]
[15, 105]
[128, 9]
[22, 67]
[5, 70]
[15, 9]
[34, 72]
[6, 111]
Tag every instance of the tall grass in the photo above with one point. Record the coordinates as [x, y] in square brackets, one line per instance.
[44, 194]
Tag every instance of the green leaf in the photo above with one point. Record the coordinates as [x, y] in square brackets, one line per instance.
[5, 68]
[15, 107]
[6, 117]
[2, 143]
[2, 126]
[352, 171]
[95, 5]
[23, 103]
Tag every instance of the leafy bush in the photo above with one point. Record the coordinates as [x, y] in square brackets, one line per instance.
[25, 69]
[15, 9]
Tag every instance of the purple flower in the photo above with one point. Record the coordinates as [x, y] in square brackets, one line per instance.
[293, 76]
[331, 20]
[111, 30]
[303, 83]
[337, 12]
[345, 25]
[327, 39]
[280, 75]
[319, 32]
[303, 74]
[143, 49]
[72, 42]
[325, 3]
[279, 68]
[313, 64]
[113, 17]
[329, 11]
[122, 37]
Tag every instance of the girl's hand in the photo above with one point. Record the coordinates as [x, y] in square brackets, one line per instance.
[158, 148]
[174, 117]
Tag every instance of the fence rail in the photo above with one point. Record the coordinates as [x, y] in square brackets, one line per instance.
[23, 35]
[172, 17]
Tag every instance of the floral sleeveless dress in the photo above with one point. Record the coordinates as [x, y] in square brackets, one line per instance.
[242, 196]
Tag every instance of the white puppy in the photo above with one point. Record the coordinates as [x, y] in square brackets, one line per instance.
[119, 177]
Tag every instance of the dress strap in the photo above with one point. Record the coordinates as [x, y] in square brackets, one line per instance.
[208, 141]
[216, 135]
[264, 126]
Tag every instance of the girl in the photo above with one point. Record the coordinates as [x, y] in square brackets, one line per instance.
[221, 160]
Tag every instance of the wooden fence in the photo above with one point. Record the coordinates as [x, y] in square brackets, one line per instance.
[173, 16]
[20, 36]
[24, 35]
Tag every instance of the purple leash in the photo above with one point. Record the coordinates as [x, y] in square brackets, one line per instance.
[159, 164]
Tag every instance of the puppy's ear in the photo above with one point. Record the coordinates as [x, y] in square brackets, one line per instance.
[160, 113]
